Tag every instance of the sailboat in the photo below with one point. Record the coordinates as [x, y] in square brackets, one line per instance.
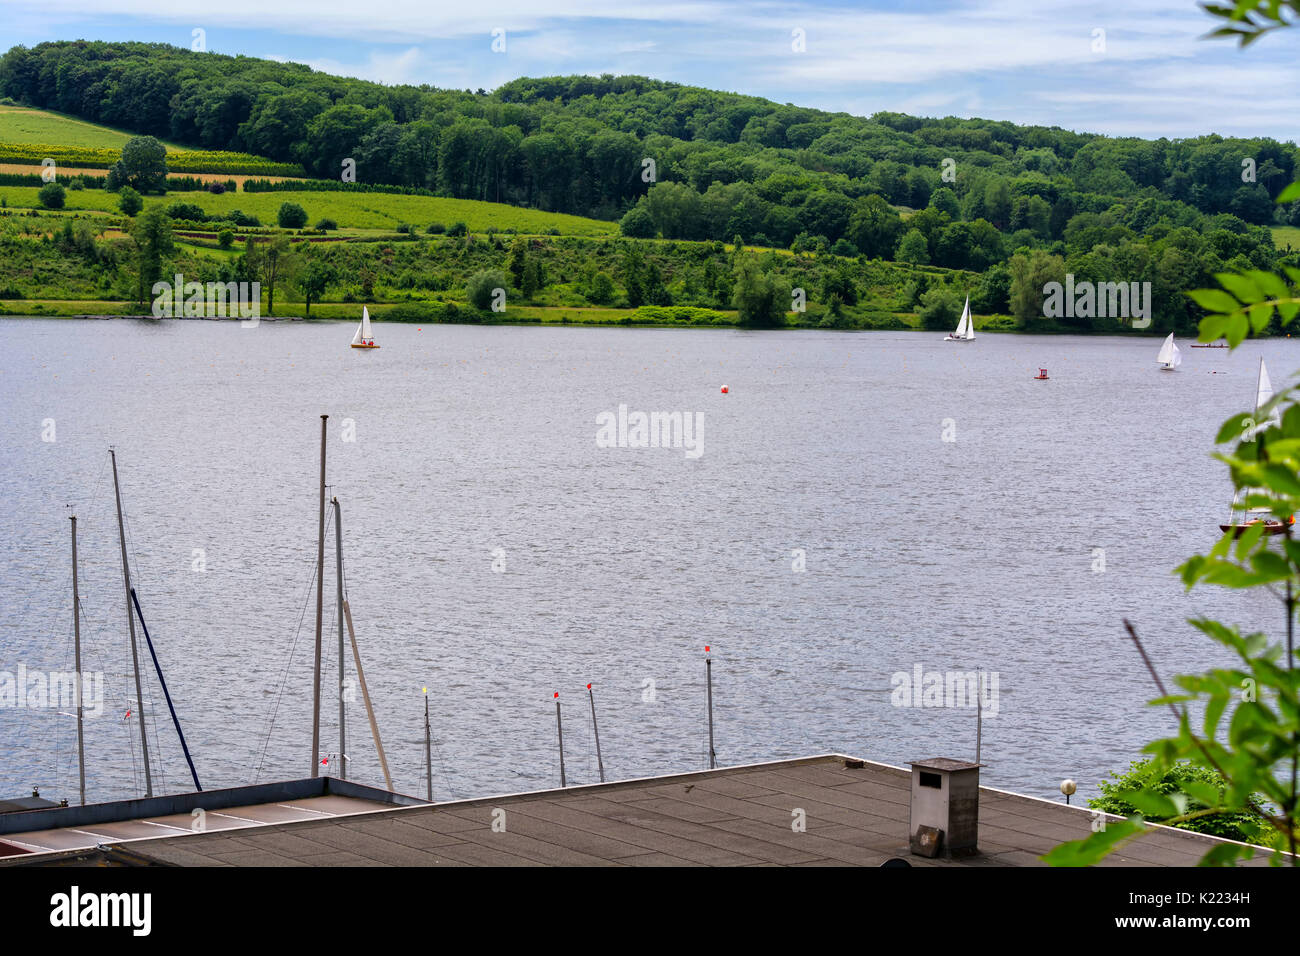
[364, 339]
[1169, 358]
[965, 328]
[1237, 523]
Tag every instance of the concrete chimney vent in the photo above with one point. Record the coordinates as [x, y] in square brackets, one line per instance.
[945, 807]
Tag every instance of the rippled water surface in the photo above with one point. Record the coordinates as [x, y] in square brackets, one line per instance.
[620, 564]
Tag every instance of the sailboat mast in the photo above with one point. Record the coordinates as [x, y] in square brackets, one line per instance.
[320, 597]
[76, 653]
[428, 753]
[130, 621]
[338, 549]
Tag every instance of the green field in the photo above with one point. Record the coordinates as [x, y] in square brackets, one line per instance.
[1284, 236]
[21, 125]
[382, 211]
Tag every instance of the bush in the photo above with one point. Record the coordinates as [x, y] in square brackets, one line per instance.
[457, 229]
[216, 188]
[51, 196]
[637, 223]
[291, 216]
[76, 185]
[404, 228]
[600, 289]
[1231, 825]
[940, 309]
[436, 229]
[225, 238]
[188, 211]
[482, 287]
[327, 225]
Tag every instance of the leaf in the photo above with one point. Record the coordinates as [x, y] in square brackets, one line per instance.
[1090, 850]
[1226, 854]
[1241, 286]
[1269, 283]
[1291, 192]
[1154, 806]
[1249, 538]
[1234, 427]
[1213, 300]
[1238, 326]
[1260, 316]
[1212, 327]
[1206, 794]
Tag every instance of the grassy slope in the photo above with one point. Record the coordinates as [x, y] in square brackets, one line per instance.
[21, 125]
[1284, 236]
[349, 210]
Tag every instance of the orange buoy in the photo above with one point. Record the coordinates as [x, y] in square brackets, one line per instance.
[725, 390]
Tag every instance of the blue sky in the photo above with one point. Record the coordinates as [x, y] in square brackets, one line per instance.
[1123, 68]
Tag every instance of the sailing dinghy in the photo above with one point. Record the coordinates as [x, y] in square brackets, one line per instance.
[1169, 358]
[1241, 519]
[364, 339]
[965, 328]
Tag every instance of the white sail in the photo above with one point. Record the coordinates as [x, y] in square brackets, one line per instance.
[968, 320]
[1263, 393]
[356, 339]
[365, 324]
[963, 325]
[1169, 355]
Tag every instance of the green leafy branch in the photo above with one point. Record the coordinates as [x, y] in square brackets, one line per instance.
[1256, 757]
[1246, 303]
[1248, 20]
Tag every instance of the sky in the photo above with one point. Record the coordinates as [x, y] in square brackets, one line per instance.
[1134, 68]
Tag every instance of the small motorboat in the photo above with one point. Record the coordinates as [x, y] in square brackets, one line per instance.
[1041, 376]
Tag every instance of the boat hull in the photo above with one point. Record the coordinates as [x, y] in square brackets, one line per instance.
[356, 346]
[1270, 527]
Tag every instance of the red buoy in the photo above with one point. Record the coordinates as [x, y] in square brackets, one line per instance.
[725, 390]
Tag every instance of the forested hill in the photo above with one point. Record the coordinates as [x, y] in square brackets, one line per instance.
[1021, 204]
[577, 144]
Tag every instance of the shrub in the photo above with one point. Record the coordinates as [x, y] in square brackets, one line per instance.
[436, 229]
[225, 238]
[482, 286]
[327, 225]
[404, 228]
[637, 223]
[216, 188]
[601, 289]
[457, 229]
[188, 211]
[51, 196]
[940, 309]
[291, 216]
[1141, 774]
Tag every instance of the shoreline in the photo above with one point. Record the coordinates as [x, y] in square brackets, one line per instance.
[621, 322]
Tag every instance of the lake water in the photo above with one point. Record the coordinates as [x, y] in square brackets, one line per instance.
[476, 446]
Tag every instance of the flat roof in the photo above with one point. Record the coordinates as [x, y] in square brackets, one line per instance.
[54, 828]
[856, 814]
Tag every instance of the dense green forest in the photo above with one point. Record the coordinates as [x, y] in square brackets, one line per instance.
[1021, 204]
